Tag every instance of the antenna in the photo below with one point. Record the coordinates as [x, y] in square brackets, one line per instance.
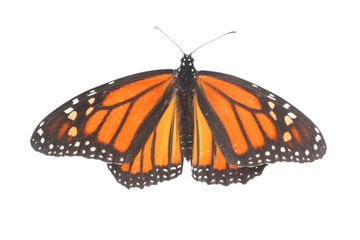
[170, 39]
[212, 41]
[196, 48]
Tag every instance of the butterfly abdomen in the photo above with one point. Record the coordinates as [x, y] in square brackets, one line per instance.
[186, 126]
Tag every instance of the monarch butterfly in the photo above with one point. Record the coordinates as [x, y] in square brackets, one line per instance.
[144, 125]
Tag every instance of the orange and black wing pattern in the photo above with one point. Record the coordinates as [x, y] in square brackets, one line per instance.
[111, 122]
[252, 126]
[159, 159]
[132, 123]
[208, 162]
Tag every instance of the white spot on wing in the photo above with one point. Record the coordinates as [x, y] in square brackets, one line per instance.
[92, 92]
[68, 110]
[286, 106]
[40, 132]
[75, 101]
[292, 115]
[271, 96]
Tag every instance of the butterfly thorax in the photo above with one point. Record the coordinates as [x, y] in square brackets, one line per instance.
[186, 75]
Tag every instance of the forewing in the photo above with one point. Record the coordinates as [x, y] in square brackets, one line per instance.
[253, 126]
[111, 122]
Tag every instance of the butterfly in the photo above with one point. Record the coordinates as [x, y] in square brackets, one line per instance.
[145, 125]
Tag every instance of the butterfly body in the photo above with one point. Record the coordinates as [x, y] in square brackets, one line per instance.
[146, 124]
[186, 77]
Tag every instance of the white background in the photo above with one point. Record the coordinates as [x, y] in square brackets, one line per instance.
[305, 51]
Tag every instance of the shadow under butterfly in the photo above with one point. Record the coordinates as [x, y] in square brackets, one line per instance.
[146, 124]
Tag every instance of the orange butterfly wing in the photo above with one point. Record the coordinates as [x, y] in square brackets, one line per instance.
[159, 159]
[111, 122]
[252, 126]
[208, 162]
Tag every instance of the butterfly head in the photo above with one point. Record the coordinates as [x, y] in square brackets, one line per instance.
[187, 65]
